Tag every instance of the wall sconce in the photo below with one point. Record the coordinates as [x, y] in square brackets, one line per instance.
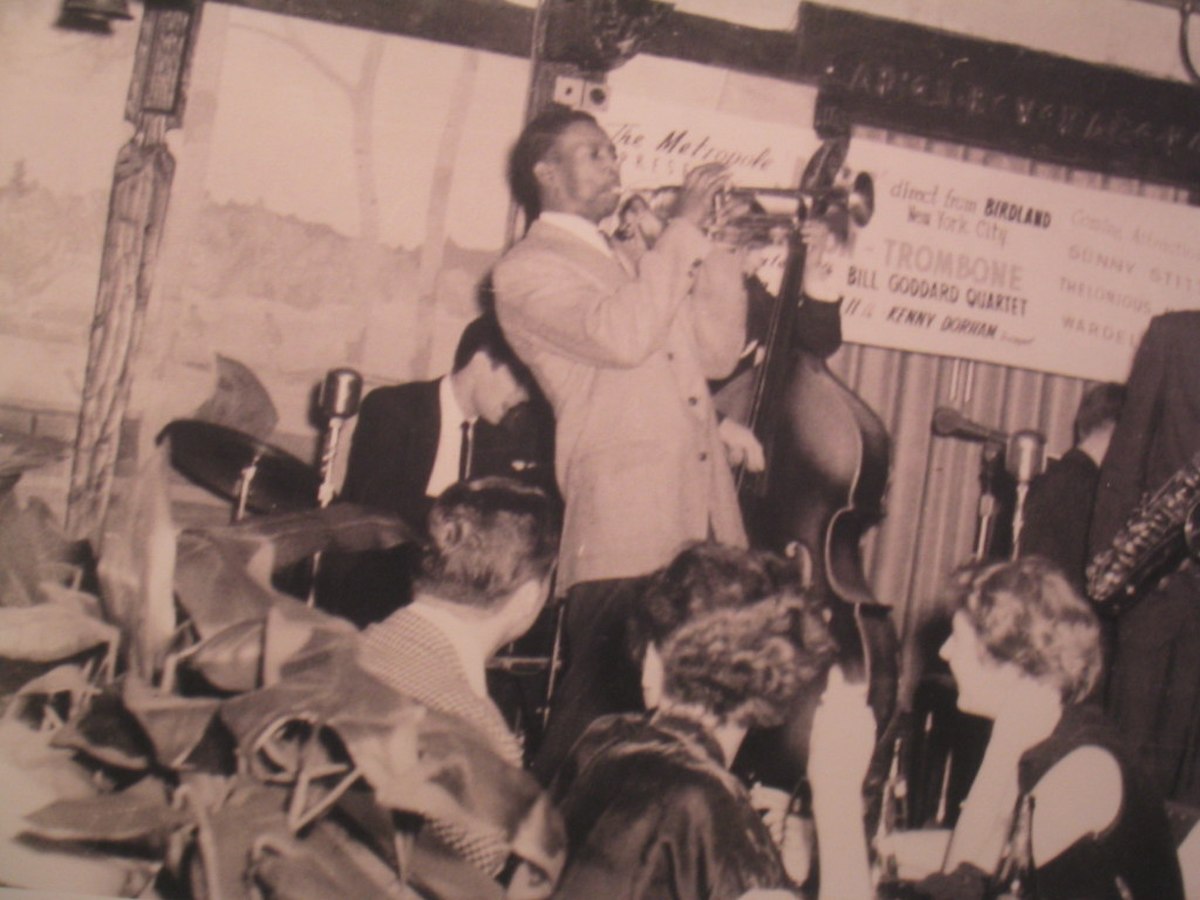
[92, 15]
[599, 35]
[1186, 9]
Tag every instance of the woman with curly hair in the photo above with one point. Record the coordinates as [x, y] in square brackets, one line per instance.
[1025, 652]
[650, 806]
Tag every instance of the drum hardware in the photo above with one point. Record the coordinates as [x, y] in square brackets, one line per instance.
[255, 476]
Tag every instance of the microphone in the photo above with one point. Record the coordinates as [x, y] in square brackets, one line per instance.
[949, 422]
[338, 400]
[340, 393]
[1026, 459]
[1026, 455]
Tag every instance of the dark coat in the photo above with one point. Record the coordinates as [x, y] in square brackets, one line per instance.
[392, 453]
[651, 812]
[1154, 691]
[1058, 513]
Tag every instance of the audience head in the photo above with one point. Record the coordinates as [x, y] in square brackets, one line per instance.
[1099, 409]
[1025, 614]
[564, 161]
[489, 376]
[489, 538]
[728, 638]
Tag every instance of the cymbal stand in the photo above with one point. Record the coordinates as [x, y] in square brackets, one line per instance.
[245, 480]
[338, 399]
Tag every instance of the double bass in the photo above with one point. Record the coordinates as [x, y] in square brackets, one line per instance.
[827, 462]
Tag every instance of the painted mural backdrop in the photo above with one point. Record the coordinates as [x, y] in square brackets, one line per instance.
[62, 96]
[341, 213]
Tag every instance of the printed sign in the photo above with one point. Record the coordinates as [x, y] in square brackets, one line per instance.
[965, 261]
[658, 144]
[959, 259]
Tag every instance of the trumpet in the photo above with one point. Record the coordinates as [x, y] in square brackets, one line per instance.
[754, 215]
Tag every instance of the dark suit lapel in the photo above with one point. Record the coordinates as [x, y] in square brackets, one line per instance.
[426, 430]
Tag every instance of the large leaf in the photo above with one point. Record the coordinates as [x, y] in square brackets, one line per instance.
[231, 659]
[299, 637]
[222, 573]
[449, 773]
[35, 774]
[19, 452]
[124, 817]
[239, 401]
[341, 526]
[109, 733]
[137, 564]
[213, 583]
[227, 835]
[174, 724]
[326, 862]
[32, 546]
[417, 761]
[50, 631]
[39, 702]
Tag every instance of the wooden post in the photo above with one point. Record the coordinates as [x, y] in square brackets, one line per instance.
[136, 214]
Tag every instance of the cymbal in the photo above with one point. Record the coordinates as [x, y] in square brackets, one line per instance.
[215, 457]
[20, 451]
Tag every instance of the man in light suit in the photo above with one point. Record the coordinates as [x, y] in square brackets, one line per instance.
[623, 354]
[408, 446]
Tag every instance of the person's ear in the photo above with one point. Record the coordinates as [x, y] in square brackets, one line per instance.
[545, 174]
[653, 677]
[480, 367]
[526, 603]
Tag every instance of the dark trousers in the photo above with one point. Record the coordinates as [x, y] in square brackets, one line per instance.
[598, 676]
[1154, 691]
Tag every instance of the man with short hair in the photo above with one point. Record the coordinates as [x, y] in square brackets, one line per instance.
[412, 441]
[408, 440]
[483, 581]
[623, 353]
[1058, 509]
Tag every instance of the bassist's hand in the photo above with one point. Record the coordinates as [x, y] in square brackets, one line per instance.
[826, 261]
[742, 448]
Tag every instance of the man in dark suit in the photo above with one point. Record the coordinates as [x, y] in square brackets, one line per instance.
[1154, 691]
[412, 441]
[1058, 509]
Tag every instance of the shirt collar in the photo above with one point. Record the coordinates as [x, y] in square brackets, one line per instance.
[448, 404]
[580, 227]
[470, 658]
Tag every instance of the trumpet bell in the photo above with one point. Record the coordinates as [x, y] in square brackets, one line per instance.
[861, 201]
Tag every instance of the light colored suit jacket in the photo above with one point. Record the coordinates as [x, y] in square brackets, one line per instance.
[624, 360]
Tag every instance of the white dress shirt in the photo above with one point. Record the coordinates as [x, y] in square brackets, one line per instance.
[449, 448]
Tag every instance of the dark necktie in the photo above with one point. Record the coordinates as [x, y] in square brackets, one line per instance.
[464, 453]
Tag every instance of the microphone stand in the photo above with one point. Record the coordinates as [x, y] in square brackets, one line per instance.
[991, 464]
[338, 400]
[1026, 460]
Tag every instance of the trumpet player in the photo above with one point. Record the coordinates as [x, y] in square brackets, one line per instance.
[623, 352]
